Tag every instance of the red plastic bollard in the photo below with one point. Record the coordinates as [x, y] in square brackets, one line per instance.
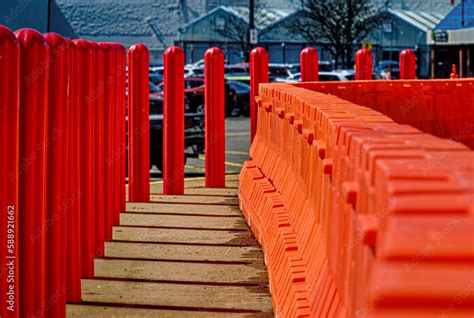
[258, 75]
[363, 59]
[309, 65]
[56, 170]
[34, 74]
[122, 80]
[109, 107]
[9, 147]
[139, 124]
[116, 140]
[173, 122]
[120, 143]
[454, 73]
[214, 118]
[85, 56]
[407, 64]
[96, 98]
[74, 194]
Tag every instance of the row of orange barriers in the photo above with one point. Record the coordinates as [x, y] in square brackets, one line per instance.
[358, 216]
[439, 107]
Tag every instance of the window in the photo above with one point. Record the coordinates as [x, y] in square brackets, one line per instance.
[219, 24]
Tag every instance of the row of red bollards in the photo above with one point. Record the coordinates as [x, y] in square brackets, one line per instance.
[173, 127]
[63, 161]
[63, 110]
[310, 71]
[63, 122]
[363, 64]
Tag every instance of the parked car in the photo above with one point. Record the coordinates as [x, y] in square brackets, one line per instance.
[242, 91]
[243, 78]
[156, 78]
[383, 67]
[194, 92]
[278, 71]
[325, 66]
[159, 71]
[234, 69]
[337, 75]
[193, 129]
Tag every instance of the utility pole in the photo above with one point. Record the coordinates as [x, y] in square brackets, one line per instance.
[252, 32]
[50, 12]
[251, 14]
[252, 36]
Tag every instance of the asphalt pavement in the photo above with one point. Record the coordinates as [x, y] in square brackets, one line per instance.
[237, 147]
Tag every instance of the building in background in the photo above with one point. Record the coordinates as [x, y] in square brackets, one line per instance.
[227, 27]
[407, 26]
[152, 22]
[452, 42]
[198, 24]
[42, 15]
[405, 29]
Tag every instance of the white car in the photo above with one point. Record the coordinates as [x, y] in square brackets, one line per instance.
[338, 75]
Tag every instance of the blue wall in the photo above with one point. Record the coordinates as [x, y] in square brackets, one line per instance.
[17, 14]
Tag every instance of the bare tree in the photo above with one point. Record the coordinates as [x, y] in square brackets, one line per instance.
[236, 30]
[338, 25]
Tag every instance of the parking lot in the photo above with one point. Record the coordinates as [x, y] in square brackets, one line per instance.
[237, 146]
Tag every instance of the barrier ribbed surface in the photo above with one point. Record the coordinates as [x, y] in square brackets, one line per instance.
[358, 216]
[439, 107]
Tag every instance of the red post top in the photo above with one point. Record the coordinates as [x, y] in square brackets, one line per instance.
[407, 64]
[363, 59]
[454, 73]
[258, 75]
[173, 122]
[309, 65]
[138, 120]
[56, 172]
[34, 103]
[9, 148]
[214, 116]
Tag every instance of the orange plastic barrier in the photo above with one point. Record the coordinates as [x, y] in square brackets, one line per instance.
[439, 107]
[358, 216]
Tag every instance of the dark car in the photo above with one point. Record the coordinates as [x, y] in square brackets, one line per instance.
[383, 67]
[156, 78]
[242, 91]
[235, 69]
[193, 129]
[194, 92]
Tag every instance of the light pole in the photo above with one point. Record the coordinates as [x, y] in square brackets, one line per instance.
[251, 23]
[50, 7]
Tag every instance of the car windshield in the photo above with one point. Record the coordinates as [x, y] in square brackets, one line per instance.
[294, 69]
[239, 85]
[328, 77]
[235, 70]
[277, 71]
[386, 64]
[193, 83]
[156, 78]
[155, 89]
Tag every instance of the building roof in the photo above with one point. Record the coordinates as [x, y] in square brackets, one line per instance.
[452, 20]
[154, 23]
[263, 17]
[424, 21]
